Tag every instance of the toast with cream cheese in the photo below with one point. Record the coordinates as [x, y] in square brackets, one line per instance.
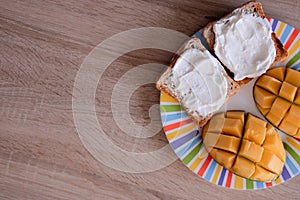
[244, 43]
[198, 81]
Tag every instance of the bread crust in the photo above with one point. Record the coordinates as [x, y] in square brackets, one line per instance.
[251, 7]
[162, 85]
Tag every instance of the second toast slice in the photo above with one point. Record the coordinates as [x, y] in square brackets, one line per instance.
[245, 24]
[198, 81]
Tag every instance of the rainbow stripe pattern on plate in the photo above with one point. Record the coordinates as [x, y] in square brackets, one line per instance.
[185, 138]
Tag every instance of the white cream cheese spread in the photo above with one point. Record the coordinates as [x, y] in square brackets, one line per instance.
[243, 43]
[198, 80]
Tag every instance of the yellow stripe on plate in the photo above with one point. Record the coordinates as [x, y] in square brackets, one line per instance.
[197, 161]
[179, 132]
[280, 29]
[167, 98]
[278, 180]
[294, 48]
[195, 164]
[217, 172]
[238, 183]
[294, 143]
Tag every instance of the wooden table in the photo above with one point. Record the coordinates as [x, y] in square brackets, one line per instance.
[43, 45]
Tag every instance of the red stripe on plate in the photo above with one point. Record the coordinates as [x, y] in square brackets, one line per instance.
[269, 184]
[291, 39]
[269, 19]
[229, 177]
[177, 125]
[205, 165]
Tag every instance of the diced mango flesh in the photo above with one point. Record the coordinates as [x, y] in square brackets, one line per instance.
[288, 127]
[262, 174]
[271, 162]
[257, 153]
[278, 111]
[243, 167]
[297, 98]
[236, 115]
[223, 157]
[228, 143]
[277, 73]
[216, 124]
[271, 143]
[233, 127]
[210, 140]
[298, 134]
[263, 97]
[269, 83]
[293, 77]
[287, 91]
[293, 115]
[280, 107]
[264, 111]
[284, 111]
[251, 151]
[252, 119]
[255, 129]
[273, 118]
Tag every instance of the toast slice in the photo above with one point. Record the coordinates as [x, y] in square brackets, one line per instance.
[165, 83]
[254, 8]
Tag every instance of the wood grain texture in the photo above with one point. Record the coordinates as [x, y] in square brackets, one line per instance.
[42, 45]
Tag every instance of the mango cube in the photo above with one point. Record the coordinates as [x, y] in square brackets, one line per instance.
[292, 76]
[263, 97]
[279, 108]
[293, 115]
[216, 123]
[228, 143]
[288, 127]
[288, 91]
[236, 115]
[297, 98]
[269, 83]
[223, 157]
[251, 151]
[277, 73]
[243, 167]
[264, 111]
[271, 162]
[233, 127]
[261, 174]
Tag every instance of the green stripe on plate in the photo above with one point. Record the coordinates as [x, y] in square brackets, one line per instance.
[292, 153]
[192, 154]
[170, 108]
[293, 60]
[249, 184]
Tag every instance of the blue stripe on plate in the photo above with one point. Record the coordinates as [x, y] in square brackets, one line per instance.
[297, 66]
[285, 174]
[166, 118]
[275, 22]
[285, 33]
[221, 179]
[291, 166]
[210, 170]
[188, 147]
[180, 141]
[259, 184]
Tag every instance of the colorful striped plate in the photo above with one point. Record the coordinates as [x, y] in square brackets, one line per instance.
[185, 138]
